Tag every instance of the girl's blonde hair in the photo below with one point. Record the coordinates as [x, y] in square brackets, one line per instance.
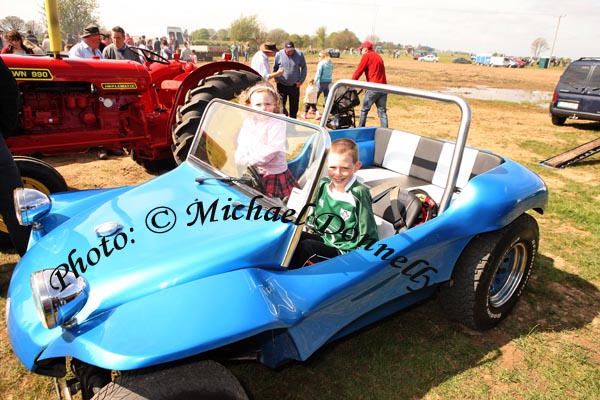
[325, 55]
[261, 87]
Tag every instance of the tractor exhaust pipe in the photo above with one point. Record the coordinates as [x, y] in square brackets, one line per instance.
[53, 27]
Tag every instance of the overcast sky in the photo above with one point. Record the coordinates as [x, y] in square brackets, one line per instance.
[507, 26]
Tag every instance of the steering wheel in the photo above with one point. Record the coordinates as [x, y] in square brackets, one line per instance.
[257, 181]
[151, 56]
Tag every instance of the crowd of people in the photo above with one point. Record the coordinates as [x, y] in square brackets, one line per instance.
[289, 69]
[288, 72]
[92, 42]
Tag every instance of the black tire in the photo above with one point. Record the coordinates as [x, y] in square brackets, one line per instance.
[40, 175]
[558, 121]
[225, 85]
[36, 174]
[490, 274]
[199, 380]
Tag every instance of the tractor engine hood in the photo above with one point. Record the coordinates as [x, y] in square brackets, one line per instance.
[108, 76]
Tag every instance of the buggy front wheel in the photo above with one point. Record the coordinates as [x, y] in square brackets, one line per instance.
[204, 379]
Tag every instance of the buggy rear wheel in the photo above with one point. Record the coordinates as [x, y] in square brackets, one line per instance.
[491, 273]
[225, 85]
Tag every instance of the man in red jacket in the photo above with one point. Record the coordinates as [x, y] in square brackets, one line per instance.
[371, 64]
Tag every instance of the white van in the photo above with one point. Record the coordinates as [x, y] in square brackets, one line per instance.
[177, 33]
[499, 62]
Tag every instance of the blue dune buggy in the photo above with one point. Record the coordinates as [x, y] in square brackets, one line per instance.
[139, 289]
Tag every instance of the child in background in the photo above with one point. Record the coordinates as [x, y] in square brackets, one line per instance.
[310, 100]
[262, 141]
[341, 195]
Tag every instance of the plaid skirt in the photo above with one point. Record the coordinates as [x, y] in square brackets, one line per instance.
[279, 185]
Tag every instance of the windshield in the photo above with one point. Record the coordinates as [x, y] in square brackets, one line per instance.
[279, 157]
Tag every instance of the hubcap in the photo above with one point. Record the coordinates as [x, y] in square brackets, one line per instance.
[508, 275]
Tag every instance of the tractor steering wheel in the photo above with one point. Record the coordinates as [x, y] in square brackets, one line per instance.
[151, 56]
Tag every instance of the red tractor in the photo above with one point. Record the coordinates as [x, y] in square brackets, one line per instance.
[150, 110]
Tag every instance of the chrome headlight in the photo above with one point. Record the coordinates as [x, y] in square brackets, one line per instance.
[30, 205]
[58, 295]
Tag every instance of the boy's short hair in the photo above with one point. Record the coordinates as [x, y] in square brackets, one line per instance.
[345, 147]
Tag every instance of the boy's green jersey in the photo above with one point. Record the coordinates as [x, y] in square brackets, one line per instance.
[344, 220]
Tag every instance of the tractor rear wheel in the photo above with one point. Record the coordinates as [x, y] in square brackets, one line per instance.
[225, 85]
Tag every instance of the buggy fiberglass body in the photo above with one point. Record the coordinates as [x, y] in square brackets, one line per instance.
[166, 275]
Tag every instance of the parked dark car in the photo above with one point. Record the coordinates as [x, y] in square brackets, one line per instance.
[333, 53]
[461, 60]
[577, 94]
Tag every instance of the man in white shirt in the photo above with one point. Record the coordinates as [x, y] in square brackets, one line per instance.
[90, 41]
[260, 61]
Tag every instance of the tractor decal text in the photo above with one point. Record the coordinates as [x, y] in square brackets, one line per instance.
[119, 85]
[32, 74]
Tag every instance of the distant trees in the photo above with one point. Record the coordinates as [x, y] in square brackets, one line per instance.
[321, 37]
[538, 46]
[343, 39]
[11, 23]
[74, 15]
[245, 29]
[278, 36]
[222, 34]
[15, 23]
[200, 35]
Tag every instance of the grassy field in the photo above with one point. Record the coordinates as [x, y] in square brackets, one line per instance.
[548, 348]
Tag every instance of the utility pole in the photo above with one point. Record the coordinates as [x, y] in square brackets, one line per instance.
[555, 35]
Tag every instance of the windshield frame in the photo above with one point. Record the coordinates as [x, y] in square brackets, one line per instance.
[319, 141]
